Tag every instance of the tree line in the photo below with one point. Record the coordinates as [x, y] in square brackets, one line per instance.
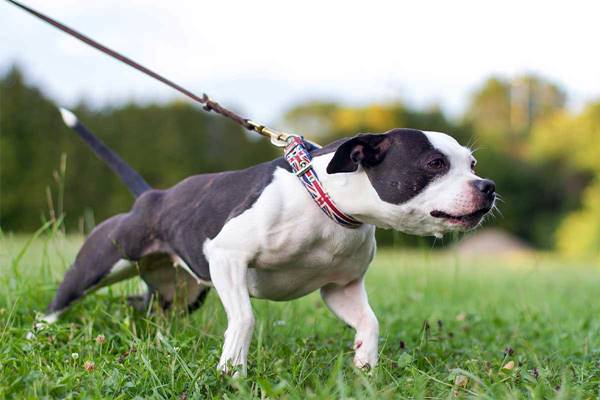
[542, 157]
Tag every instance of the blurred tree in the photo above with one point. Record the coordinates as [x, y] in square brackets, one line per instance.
[533, 196]
[489, 111]
[501, 114]
[502, 111]
[579, 232]
[540, 183]
[314, 119]
[27, 160]
[166, 143]
[328, 121]
[533, 98]
[573, 141]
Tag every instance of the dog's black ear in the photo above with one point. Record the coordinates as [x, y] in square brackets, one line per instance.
[367, 150]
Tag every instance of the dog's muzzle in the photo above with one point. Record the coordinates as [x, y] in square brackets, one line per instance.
[485, 196]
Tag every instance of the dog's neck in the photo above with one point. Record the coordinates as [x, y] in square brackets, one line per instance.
[352, 192]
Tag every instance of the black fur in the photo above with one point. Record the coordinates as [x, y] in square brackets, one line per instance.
[395, 162]
[177, 221]
[366, 150]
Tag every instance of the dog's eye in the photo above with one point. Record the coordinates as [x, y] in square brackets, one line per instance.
[473, 163]
[436, 164]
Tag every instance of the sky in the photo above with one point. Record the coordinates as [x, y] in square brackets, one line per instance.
[263, 57]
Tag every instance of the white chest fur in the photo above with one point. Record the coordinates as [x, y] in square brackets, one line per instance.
[292, 248]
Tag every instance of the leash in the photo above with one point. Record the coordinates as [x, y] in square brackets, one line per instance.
[296, 150]
[277, 138]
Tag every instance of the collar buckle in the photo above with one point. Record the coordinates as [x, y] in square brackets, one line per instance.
[304, 168]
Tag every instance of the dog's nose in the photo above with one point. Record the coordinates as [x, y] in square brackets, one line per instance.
[485, 186]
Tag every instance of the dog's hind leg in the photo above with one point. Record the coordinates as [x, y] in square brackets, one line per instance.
[173, 283]
[106, 257]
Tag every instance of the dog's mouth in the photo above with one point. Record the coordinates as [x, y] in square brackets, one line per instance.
[468, 220]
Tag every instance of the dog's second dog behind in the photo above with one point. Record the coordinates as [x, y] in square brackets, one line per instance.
[258, 233]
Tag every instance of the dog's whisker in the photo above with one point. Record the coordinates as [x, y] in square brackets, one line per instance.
[495, 209]
[473, 141]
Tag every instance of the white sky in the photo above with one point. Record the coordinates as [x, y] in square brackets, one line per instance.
[264, 56]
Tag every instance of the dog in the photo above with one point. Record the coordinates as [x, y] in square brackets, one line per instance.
[258, 233]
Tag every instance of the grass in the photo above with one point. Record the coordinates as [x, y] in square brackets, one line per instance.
[525, 328]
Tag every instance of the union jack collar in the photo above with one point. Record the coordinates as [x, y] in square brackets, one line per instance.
[299, 159]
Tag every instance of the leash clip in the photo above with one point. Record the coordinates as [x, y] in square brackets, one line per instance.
[278, 139]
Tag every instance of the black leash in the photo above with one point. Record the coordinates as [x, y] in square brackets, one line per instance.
[277, 138]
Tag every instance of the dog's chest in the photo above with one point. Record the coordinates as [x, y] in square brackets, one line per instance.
[294, 248]
[301, 262]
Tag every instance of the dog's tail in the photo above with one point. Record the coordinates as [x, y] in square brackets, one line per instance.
[128, 175]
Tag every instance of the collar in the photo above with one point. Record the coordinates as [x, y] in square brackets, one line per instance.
[300, 160]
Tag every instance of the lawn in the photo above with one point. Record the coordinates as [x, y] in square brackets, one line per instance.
[519, 328]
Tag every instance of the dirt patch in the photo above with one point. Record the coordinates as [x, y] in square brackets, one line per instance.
[491, 242]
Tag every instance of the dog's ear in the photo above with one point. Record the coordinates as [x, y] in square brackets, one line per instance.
[366, 150]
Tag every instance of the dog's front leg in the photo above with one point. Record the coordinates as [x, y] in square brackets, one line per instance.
[350, 303]
[228, 275]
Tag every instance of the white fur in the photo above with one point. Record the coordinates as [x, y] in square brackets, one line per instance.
[283, 247]
[122, 269]
[228, 274]
[68, 117]
[291, 247]
[453, 192]
[177, 261]
[42, 323]
[351, 305]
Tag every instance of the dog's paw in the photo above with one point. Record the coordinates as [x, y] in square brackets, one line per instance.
[41, 323]
[363, 364]
[365, 357]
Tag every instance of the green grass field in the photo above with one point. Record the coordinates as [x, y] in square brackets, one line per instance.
[525, 328]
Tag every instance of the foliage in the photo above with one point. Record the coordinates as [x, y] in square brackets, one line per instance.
[166, 143]
[579, 233]
[502, 111]
[571, 139]
[574, 141]
[539, 181]
[330, 121]
[450, 328]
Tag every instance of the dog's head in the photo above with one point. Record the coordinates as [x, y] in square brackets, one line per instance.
[417, 182]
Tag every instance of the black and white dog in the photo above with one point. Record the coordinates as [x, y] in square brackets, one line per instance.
[258, 233]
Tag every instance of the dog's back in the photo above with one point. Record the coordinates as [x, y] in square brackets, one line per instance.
[163, 228]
